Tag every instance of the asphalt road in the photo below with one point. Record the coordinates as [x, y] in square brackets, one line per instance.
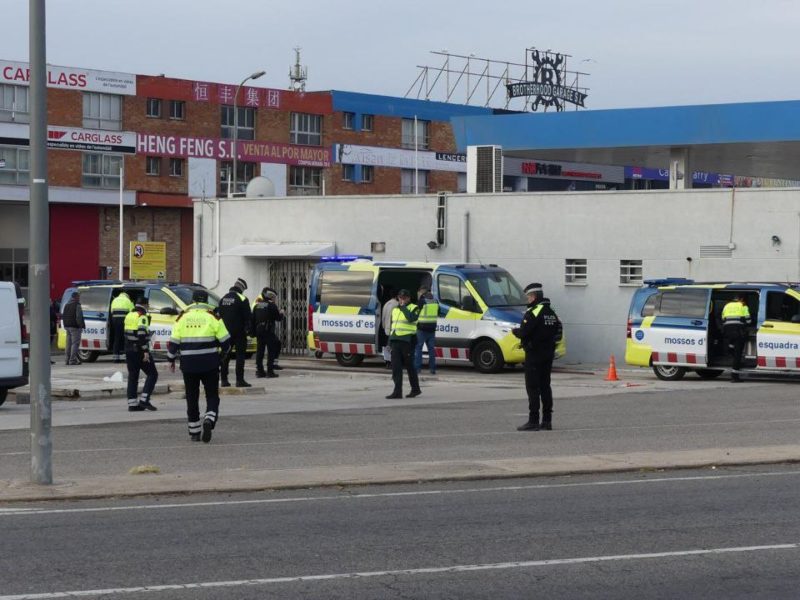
[726, 533]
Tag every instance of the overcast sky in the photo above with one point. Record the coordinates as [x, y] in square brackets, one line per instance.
[639, 52]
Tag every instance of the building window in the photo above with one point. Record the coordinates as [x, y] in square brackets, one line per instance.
[14, 266]
[348, 172]
[367, 122]
[245, 172]
[306, 129]
[575, 271]
[152, 165]
[349, 120]
[367, 174]
[176, 167]
[14, 104]
[177, 110]
[246, 124]
[421, 137]
[102, 111]
[305, 181]
[407, 182]
[101, 170]
[14, 165]
[154, 108]
[630, 272]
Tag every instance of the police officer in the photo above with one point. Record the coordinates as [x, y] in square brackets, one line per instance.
[120, 307]
[402, 338]
[234, 309]
[265, 314]
[538, 332]
[426, 329]
[138, 357]
[735, 319]
[198, 337]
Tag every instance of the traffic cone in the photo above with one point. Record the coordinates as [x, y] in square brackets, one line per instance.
[612, 370]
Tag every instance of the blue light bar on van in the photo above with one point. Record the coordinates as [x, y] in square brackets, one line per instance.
[668, 281]
[344, 258]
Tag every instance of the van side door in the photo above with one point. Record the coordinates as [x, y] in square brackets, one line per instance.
[458, 317]
[678, 331]
[778, 336]
[10, 333]
[96, 307]
[344, 319]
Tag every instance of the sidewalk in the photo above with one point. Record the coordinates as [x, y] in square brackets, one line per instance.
[333, 427]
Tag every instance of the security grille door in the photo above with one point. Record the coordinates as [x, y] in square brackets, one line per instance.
[290, 279]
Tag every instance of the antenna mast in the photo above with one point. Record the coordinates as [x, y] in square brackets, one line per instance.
[298, 74]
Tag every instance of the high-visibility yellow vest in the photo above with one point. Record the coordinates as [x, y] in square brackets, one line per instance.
[402, 326]
[429, 313]
[121, 305]
[137, 331]
[735, 312]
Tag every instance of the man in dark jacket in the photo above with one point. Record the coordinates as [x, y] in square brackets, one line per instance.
[265, 314]
[234, 310]
[538, 332]
[74, 323]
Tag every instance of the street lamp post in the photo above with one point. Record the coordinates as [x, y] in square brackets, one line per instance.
[255, 75]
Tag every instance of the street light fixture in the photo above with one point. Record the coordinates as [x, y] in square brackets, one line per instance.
[255, 75]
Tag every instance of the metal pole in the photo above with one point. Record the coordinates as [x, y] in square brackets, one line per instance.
[120, 273]
[39, 264]
[255, 75]
[416, 160]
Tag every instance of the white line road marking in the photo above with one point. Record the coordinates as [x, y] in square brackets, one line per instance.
[13, 512]
[385, 439]
[400, 572]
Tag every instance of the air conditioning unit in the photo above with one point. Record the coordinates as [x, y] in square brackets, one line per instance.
[484, 169]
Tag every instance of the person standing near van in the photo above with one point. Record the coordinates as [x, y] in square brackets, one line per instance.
[74, 324]
[199, 336]
[386, 323]
[265, 315]
[735, 319]
[234, 309]
[138, 357]
[120, 307]
[538, 334]
[426, 329]
[403, 338]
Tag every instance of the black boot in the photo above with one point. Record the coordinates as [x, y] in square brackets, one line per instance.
[529, 426]
[242, 383]
[225, 382]
[271, 374]
[260, 374]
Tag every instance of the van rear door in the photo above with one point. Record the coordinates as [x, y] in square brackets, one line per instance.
[96, 307]
[345, 306]
[678, 331]
[10, 333]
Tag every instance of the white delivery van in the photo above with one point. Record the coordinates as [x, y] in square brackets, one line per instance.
[13, 339]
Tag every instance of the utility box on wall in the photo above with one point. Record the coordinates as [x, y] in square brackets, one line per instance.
[484, 169]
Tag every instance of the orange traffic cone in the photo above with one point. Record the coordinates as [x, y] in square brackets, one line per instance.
[612, 370]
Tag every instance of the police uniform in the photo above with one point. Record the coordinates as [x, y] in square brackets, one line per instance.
[426, 331]
[198, 337]
[120, 307]
[402, 338]
[265, 315]
[138, 358]
[234, 309]
[539, 331]
[735, 318]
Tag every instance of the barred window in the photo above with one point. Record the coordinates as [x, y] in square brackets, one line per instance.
[575, 271]
[630, 272]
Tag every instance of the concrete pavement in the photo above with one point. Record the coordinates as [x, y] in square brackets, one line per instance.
[333, 427]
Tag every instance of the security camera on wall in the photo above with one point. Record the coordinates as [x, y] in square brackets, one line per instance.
[433, 245]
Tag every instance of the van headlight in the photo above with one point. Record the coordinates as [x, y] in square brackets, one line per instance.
[505, 326]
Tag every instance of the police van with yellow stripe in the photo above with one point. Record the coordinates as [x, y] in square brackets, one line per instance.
[479, 305]
[675, 326]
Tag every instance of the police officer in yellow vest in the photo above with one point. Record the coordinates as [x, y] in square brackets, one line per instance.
[120, 307]
[403, 339]
[735, 319]
[426, 329]
[138, 357]
[199, 336]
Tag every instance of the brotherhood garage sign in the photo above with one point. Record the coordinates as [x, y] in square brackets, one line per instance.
[547, 82]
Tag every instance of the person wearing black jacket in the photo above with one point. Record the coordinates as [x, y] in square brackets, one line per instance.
[234, 310]
[539, 331]
[73, 320]
[265, 314]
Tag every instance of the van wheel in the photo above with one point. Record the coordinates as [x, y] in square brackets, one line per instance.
[3, 395]
[487, 357]
[88, 355]
[669, 373]
[708, 373]
[349, 360]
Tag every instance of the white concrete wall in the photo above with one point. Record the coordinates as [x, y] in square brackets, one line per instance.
[531, 235]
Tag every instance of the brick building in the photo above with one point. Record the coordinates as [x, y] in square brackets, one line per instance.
[174, 138]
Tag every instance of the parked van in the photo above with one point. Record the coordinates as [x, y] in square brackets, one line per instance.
[479, 305]
[675, 326]
[13, 339]
[165, 302]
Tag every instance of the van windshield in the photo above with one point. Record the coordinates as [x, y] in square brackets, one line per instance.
[185, 294]
[497, 288]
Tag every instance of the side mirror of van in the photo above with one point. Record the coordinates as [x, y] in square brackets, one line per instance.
[469, 304]
[168, 310]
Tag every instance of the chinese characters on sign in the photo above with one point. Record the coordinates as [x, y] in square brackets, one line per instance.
[248, 96]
